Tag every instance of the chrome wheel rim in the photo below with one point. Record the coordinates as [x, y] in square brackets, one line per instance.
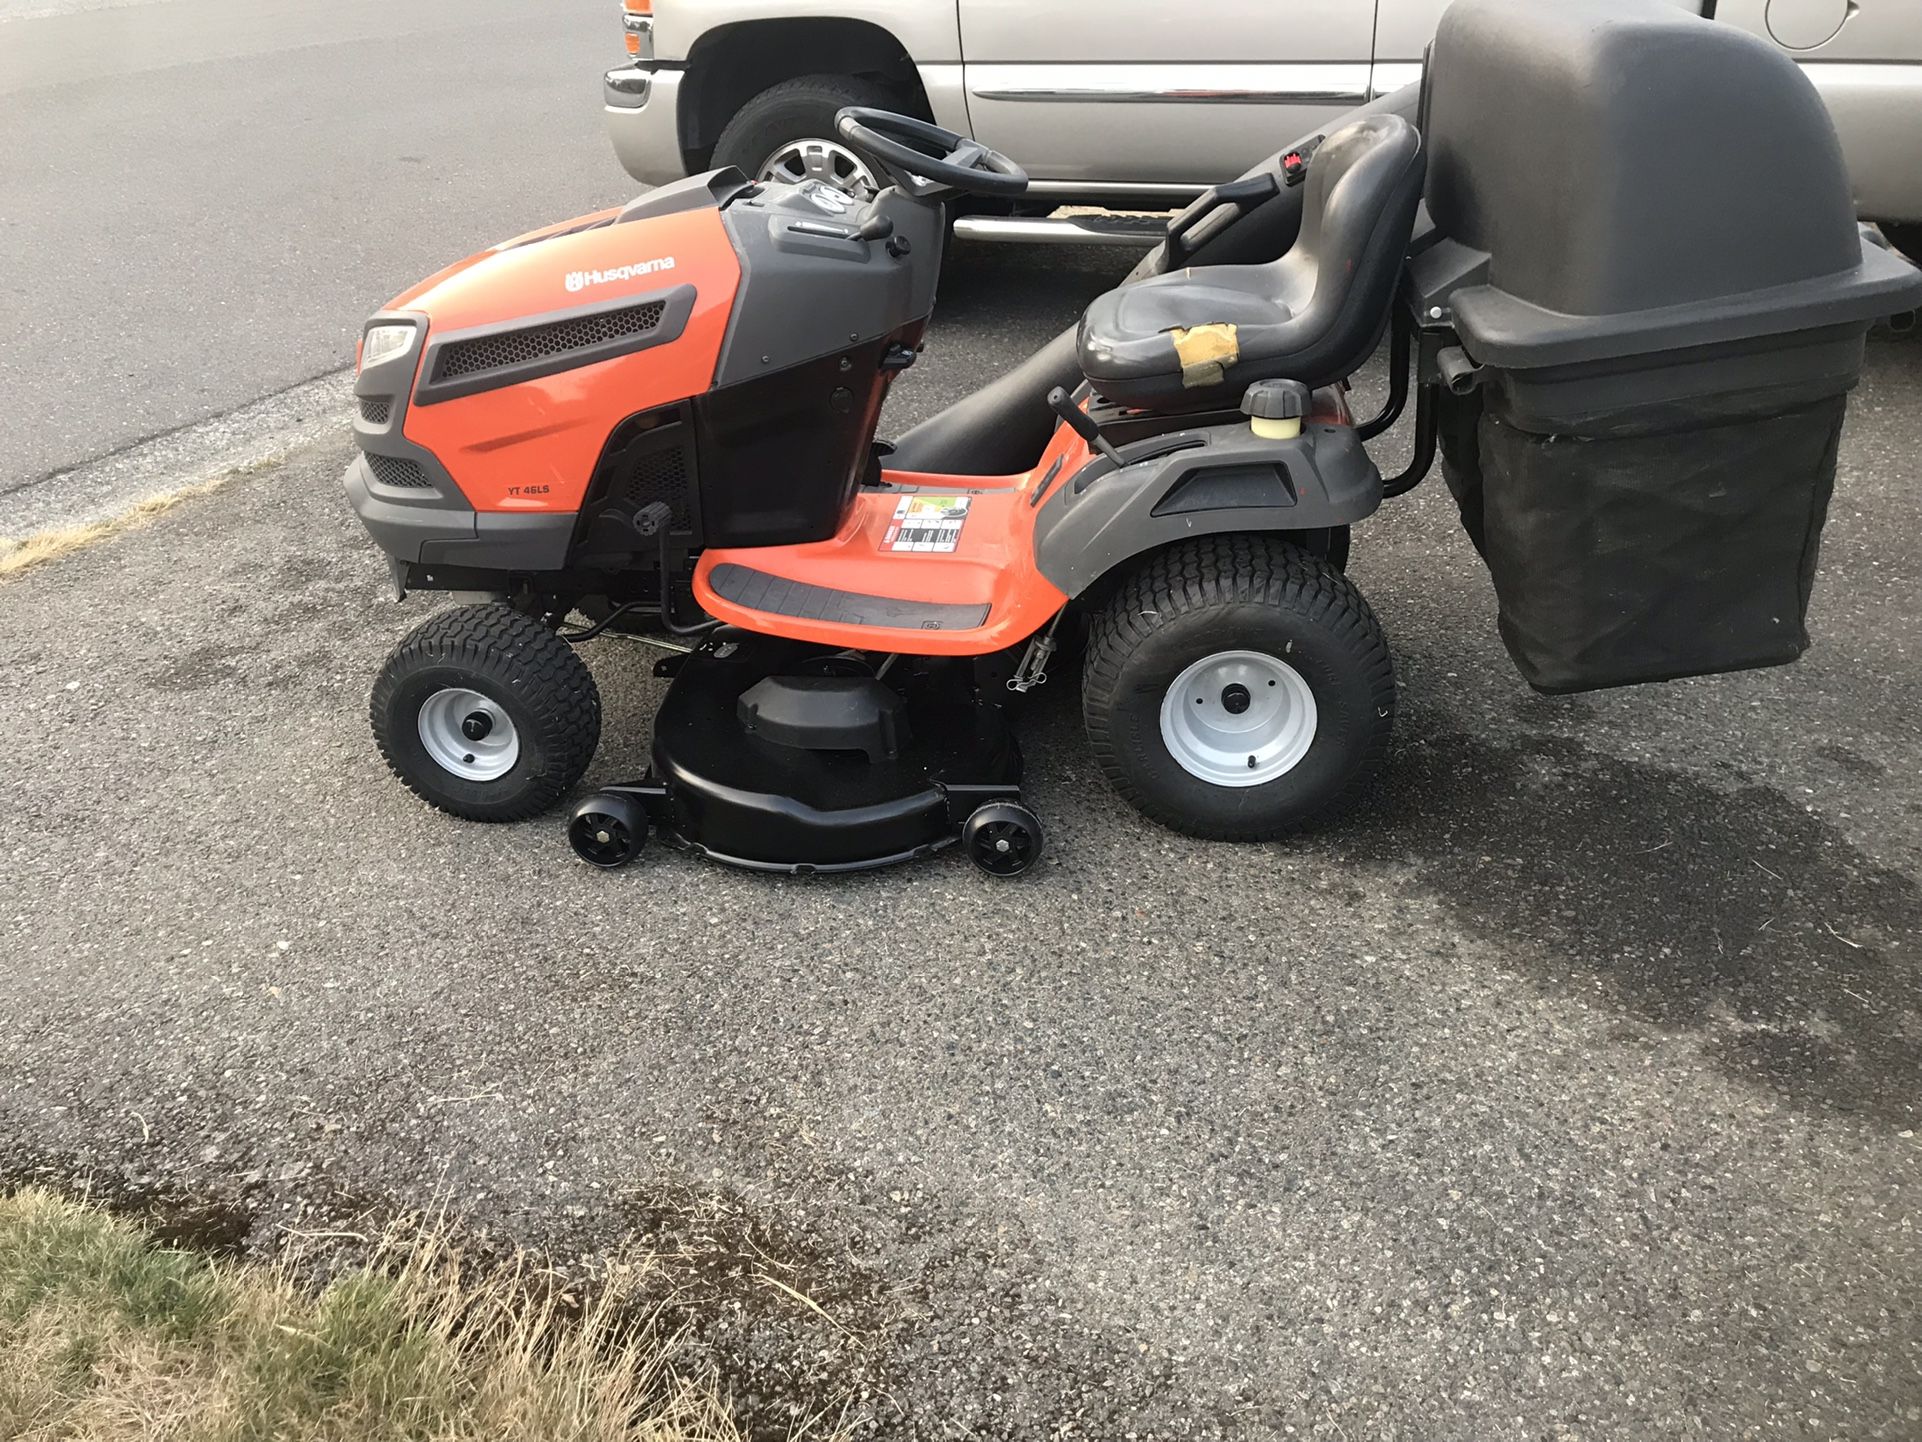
[1238, 718]
[823, 160]
[468, 734]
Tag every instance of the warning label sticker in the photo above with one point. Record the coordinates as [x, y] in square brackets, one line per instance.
[926, 523]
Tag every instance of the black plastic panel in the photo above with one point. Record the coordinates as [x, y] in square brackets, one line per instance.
[650, 457]
[1227, 488]
[758, 591]
[1228, 479]
[782, 455]
[711, 190]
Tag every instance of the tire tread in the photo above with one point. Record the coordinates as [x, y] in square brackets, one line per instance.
[1227, 570]
[547, 676]
[838, 90]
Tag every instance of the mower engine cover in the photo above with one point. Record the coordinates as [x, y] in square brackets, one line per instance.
[718, 347]
[1641, 233]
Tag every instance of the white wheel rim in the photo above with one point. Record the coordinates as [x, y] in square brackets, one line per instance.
[821, 160]
[444, 724]
[1238, 718]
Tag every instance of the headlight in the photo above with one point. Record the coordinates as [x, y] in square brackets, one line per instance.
[384, 342]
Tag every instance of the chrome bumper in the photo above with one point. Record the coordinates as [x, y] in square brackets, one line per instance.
[641, 104]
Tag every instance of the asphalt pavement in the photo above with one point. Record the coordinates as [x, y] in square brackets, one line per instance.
[200, 200]
[1567, 1090]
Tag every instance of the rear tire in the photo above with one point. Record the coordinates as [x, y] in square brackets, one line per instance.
[784, 115]
[1233, 645]
[486, 714]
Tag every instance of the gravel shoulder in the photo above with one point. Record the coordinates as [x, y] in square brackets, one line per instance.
[1566, 1090]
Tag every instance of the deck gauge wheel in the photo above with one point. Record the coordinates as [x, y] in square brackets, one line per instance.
[607, 830]
[1003, 838]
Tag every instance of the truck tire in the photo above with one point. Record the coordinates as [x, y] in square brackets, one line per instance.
[787, 132]
[1237, 688]
[1906, 237]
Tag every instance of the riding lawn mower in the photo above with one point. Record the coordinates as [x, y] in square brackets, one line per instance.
[1611, 251]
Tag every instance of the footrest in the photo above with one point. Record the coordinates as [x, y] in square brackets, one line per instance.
[777, 596]
[964, 584]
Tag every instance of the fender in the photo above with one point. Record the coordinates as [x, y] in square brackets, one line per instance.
[1197, 483]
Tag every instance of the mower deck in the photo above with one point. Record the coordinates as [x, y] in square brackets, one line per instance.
[776, 756]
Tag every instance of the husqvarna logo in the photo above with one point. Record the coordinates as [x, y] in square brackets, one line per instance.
[581, 279]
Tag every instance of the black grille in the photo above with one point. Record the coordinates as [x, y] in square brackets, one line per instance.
[661, 476]
[398, 471]
[537, 342]
[648, 458]
[375, 409]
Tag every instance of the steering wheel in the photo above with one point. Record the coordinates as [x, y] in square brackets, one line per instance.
[926, 160]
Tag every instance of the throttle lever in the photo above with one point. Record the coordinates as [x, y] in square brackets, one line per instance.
[1082, 424]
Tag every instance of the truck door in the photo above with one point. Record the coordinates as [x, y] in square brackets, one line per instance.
[1865, 57]
[1403, 29]
[1131, 96]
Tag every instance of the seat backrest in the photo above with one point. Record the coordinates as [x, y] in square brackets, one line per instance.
[1311, 315]
[1339, 277]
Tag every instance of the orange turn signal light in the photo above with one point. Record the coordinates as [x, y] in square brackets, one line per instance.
[638, 16]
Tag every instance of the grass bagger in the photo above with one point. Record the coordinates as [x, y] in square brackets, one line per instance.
[1612, 253]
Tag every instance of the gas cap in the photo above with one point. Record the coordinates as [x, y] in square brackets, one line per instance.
[1805, 24]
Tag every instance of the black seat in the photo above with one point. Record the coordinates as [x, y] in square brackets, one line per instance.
[1193, 339]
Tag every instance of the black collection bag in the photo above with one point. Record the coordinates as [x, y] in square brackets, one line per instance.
[1629, 551]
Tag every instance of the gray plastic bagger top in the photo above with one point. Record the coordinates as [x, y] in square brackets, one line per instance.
[1631, 179]
[1641, 235]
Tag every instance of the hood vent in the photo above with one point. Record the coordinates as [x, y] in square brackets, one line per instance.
[539, 342]
[465, 362]
[399, 472]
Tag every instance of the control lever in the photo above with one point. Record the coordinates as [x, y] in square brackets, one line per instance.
[653, 519]
[1082, 424]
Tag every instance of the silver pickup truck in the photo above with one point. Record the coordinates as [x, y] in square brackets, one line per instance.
[1139, 104]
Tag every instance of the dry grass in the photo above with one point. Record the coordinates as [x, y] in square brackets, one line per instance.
[106, 1336]
[18, 554]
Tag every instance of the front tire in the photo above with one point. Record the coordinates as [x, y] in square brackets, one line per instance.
[1237, 688]
[486, 714]
[787, 133]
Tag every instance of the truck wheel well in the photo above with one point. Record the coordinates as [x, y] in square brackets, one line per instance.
[729, 66]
